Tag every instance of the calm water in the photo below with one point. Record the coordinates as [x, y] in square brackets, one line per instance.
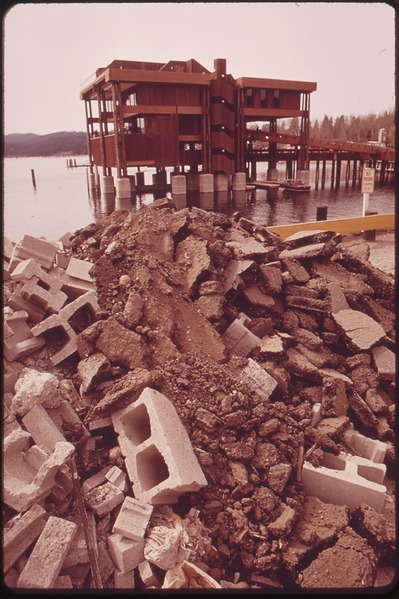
[61, 202]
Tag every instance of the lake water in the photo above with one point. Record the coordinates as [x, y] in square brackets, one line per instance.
[61, 202]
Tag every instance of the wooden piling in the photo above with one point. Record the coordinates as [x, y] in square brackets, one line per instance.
[338, 174]
[33, 177]
[347, 172]
[323, 175]
[354, 174]
[317, 174]
[332, 172]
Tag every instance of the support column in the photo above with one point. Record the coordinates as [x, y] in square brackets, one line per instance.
[123, 190]
[107, 184]
[239, 182]
[303, 175]
[179, 184]
[206, 183]
[221, 182]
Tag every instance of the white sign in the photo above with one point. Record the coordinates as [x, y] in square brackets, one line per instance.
[368, 180]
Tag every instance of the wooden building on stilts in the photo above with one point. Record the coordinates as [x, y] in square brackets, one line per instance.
[180, 116]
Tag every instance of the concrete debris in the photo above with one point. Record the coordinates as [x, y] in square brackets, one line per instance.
[211, 410]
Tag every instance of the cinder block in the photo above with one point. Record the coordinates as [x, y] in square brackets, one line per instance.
[133, 519]
[42, 428]
[371, 449]
[8, 247]
[117, 477]
[47, 557]
[23, 485]
[239, 340]
[18, 303]
[87, 303]
[262, 381]
[41, 250]
[346, 480]
[65, 417]
[22, 342]
[76, 279]
[39, 287]
[127, 554]
[159, 458]
[95, 480]
[104, 498]
[22, 534]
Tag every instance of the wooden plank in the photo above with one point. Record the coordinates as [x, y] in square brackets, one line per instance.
[272, 112]
[143, 109]
[139, 75]
[345, 226]
[305, 86]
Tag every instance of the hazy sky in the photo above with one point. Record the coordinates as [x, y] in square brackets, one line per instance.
[50, 50]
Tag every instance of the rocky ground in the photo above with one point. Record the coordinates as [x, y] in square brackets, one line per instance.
[169, 284]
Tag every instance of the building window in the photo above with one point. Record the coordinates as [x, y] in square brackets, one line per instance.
[132, 99]
[141, 125]
[249, 97]
[276, 98]
[263, 98]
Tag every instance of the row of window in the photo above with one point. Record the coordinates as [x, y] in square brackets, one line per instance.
[249, 98]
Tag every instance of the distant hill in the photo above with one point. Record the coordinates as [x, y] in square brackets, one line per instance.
[63, 143]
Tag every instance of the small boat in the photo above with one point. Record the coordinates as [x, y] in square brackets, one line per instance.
[294, 185]
[267, 184]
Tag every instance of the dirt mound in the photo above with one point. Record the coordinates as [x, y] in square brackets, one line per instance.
[257, 345]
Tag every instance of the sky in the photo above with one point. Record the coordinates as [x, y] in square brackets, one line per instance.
[50, 50]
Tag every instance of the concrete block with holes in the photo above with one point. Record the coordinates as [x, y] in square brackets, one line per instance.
[27, 480]
[159, 458]
[39, 287]
[86, 305]
[371, 449]
[42, 428]
[346, 480]
[18, 339]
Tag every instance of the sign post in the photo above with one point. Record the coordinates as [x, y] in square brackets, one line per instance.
[367, 186]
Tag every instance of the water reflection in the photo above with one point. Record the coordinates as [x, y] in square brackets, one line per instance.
[107, 203]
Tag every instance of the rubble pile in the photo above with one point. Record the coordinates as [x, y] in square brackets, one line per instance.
[192, 402]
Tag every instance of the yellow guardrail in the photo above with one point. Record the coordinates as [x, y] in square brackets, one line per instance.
[344, 225]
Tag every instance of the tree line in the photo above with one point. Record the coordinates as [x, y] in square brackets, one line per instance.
[347, 128]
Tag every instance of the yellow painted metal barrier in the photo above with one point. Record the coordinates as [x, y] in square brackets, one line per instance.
[345, 226]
